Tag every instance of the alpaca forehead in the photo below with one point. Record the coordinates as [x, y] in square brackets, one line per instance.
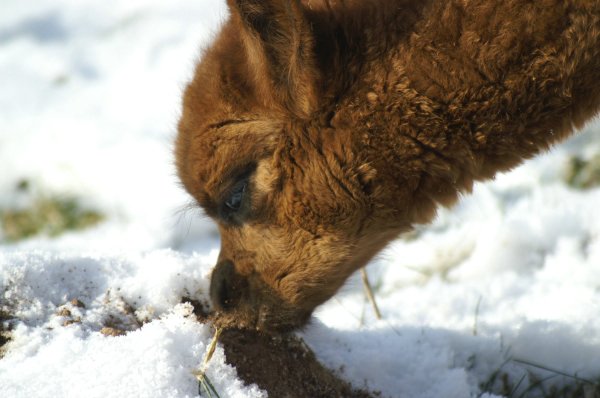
[234, 141]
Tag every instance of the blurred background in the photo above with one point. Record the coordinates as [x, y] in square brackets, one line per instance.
[89, 102]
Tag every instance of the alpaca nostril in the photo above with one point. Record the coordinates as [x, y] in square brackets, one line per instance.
[226, 286]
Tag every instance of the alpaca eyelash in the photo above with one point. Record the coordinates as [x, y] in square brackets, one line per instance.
[236, 196]
[233, 209]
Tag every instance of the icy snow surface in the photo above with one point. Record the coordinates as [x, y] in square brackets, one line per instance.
[89, 100]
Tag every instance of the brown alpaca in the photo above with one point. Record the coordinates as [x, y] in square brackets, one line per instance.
[316, 132]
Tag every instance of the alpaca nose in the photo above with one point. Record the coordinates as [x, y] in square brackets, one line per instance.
[226, 286]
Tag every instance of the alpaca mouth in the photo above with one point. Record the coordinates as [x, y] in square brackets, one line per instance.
[280, 320]
[268, 318]
[246, 302]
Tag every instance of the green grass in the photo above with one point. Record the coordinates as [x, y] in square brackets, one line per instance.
[583, 173]
[49, 215]
[540, 387]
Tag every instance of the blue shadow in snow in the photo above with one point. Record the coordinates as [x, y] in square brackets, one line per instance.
[44, 28]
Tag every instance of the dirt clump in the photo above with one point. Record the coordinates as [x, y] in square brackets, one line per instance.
[282, 365]
[5, 328]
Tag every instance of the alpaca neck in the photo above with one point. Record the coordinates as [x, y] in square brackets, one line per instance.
[440, 111]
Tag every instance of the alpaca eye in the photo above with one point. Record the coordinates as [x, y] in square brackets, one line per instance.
[234, 201]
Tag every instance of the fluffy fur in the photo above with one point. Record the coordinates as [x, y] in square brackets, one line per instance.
[352, 120]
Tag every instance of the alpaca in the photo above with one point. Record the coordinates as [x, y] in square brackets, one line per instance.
[315, 132]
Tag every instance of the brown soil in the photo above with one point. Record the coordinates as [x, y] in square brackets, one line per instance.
[4, 331]
[281, 365]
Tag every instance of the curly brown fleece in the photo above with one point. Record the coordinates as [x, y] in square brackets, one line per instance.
[316, 132]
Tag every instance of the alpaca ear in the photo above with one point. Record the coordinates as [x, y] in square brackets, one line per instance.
[280, 48]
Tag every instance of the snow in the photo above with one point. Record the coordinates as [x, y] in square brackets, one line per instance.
[507, 281]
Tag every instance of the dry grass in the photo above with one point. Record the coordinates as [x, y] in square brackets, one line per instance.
[205, 386]
[369, 292]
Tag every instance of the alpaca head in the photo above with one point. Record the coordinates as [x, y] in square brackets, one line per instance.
[267, 156]
[313, 136]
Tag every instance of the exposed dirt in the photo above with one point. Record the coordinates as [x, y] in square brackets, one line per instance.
[282, 365]
[4, 330]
